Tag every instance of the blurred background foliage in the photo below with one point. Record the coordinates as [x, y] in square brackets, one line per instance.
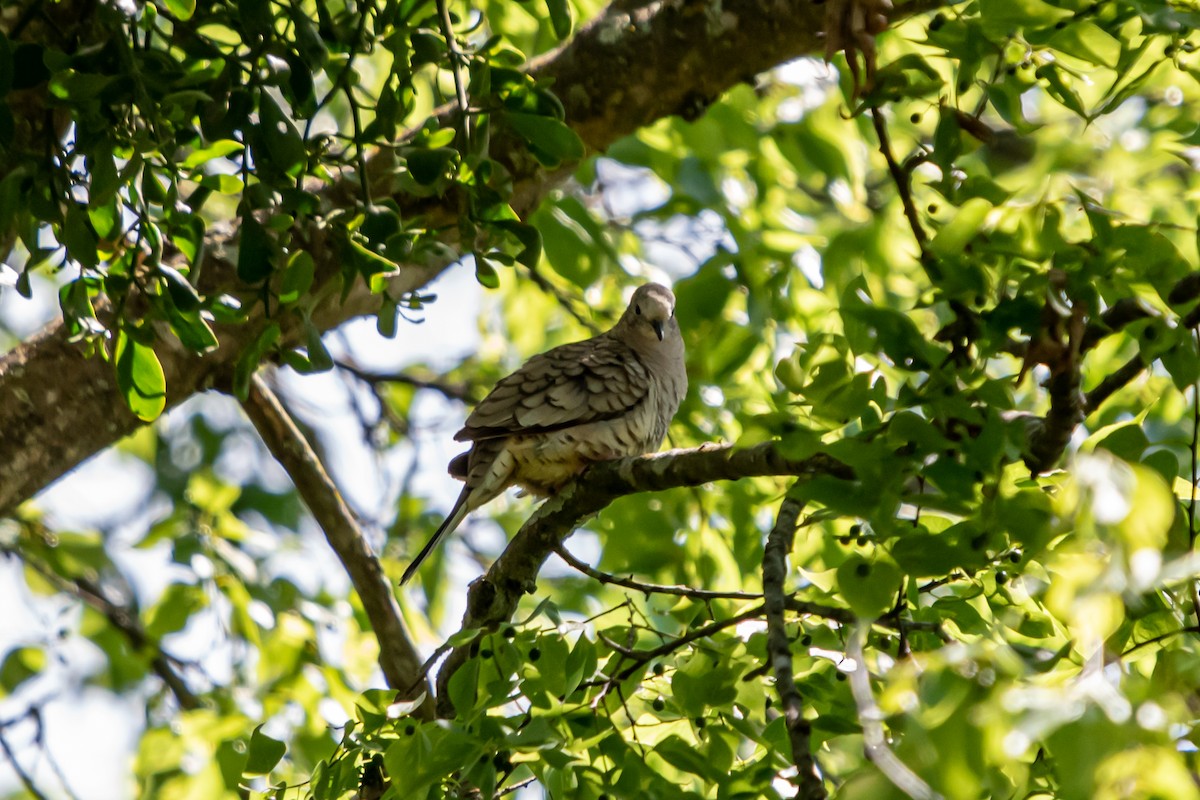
[1034, 634]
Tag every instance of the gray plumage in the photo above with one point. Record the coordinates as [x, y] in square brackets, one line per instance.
[607, 397]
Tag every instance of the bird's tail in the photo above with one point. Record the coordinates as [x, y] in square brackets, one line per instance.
[453, 520]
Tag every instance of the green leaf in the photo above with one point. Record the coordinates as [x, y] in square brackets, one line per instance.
[686, 758]
[182, 10]
[485, 272]
[1003, 18]
[318, 356]
[386, 319]
[174, 609]
[256, 251]
[193, 331]
[251, 358]
[20, 665]
[218, 149]
[284, 147]
[1089, 42]
[529, 237]
[550, 141]
[463, 688]
[560, 17]
[427, 165]
[183, 294]
[297, 277]
[263, 753]
[140, 378]
[78, 236]
[870, 587]
[955, 235]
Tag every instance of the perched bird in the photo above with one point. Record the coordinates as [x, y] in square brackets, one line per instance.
[607, 397]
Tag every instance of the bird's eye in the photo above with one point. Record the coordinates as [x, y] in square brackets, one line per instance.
[637, 310]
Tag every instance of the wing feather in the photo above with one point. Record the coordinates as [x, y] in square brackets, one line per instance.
[574, 384]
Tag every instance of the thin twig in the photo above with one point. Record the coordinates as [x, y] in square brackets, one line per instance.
[843, 616]
[870, 716]
[1191, 511]
[24, 777]
[516, 787]
[123, 620]
[902, 181]
[809, 785]
[563, 299]
[1159, 638]
[398, 656]
[703, 632]
[452, 391]
[457, 60]
[650, 588]
[1113, 382]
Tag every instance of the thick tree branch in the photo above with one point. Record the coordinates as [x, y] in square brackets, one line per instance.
[397, 654]
[492, 599]
[1049, 435]
[624, 70]
[809, 785]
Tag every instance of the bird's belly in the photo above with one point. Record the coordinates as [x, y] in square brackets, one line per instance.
[547, 461]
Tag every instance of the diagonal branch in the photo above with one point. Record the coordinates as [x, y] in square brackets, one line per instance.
[398, 655]
[121, 618]
[809, 785]
[649, 588]
[870, 716]
[24, 777]
[492, 599]
[451, 391]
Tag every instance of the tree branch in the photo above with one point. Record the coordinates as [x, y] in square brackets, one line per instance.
[1112, 383]
[452, 391]
[642, 656]
[121, 618]
[24, 777]
[870, 716]
[649, 588]
[901, 178]
[398, 655]
[809, 785]
[492, 599]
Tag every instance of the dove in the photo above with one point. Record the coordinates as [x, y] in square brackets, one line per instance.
[607, 397]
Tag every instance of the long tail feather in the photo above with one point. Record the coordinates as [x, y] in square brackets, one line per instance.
[455, 518]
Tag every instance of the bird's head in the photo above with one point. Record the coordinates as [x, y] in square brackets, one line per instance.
[651, 313]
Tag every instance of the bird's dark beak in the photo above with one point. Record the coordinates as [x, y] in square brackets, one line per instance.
[658, 329]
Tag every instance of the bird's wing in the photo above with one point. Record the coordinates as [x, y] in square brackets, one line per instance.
[589, 381]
